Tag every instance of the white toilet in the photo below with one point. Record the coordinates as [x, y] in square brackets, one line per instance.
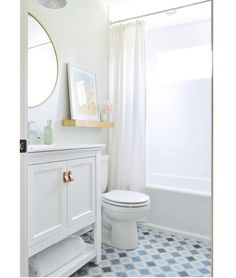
[121, 209]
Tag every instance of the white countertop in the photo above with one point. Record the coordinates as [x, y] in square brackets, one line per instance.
[62, 147]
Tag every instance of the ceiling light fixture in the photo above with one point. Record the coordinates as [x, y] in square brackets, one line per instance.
[53, 4]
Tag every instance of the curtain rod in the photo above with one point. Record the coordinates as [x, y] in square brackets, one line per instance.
[159, 12]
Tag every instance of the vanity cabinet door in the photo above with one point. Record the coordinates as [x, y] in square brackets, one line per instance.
[47, 200]
[81, 191]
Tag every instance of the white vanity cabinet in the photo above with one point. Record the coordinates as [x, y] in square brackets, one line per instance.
[63, 198]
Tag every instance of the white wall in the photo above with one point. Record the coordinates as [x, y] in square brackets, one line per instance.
[122, 9]
[80, 35]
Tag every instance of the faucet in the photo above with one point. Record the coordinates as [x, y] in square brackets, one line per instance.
[33, 132]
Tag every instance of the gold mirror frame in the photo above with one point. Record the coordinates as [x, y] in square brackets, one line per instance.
[34, 106]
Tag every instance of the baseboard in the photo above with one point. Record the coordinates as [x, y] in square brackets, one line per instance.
[203, 238]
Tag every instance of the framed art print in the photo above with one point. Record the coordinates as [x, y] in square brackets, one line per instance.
[83, 94]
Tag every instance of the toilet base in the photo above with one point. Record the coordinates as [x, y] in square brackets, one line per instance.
[106, 233]
[120, 236]
[120, 224]
[124, 236]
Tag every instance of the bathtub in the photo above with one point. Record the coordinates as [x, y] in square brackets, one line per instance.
[180, 205]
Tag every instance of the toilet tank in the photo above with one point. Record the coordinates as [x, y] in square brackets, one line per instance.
[104, 172]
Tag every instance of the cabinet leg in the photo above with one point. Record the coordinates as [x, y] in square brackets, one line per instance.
[97, 224]
[97, 241]
[97, 260]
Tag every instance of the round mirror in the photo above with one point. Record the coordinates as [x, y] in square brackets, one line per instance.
[42, 64]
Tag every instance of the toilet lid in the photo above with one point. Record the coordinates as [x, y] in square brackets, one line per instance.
[126, 197]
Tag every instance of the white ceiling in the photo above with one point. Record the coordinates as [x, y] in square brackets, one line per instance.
[122, 9]
[181, 16]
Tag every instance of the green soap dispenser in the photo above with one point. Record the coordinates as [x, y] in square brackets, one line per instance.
[48, 133]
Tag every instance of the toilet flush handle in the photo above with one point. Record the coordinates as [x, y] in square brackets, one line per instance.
[70, 176]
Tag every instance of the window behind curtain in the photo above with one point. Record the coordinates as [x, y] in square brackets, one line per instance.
[179, 104]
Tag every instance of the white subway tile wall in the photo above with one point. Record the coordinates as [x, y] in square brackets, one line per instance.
[179, 104]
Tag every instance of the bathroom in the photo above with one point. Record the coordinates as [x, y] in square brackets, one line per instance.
[142, 206]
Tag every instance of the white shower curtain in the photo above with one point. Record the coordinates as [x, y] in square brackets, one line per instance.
[128, 91]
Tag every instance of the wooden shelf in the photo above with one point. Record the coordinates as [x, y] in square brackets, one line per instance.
[77, 123]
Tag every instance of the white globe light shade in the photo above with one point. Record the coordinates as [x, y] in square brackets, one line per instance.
[53, 4]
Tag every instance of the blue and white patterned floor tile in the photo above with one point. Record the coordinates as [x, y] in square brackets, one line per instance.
[158, 255]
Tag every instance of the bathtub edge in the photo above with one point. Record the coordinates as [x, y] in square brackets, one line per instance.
[179, 190]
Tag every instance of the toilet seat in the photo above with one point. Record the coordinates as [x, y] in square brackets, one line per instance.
[126, 209]
[123, 205]
[125, 198]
